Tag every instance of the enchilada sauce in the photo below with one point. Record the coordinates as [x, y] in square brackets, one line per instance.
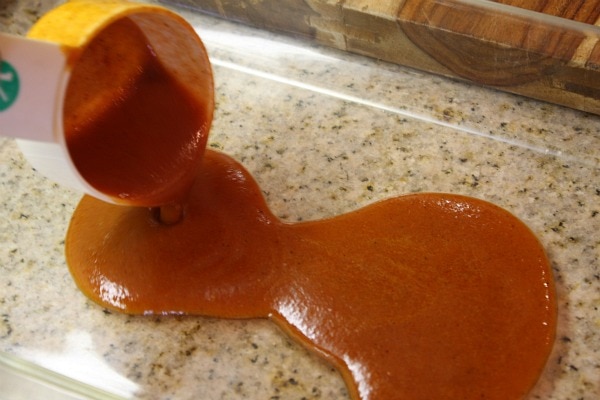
[423, 296]
[132, 131]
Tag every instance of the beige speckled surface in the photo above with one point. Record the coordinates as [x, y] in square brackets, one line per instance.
[323, 133]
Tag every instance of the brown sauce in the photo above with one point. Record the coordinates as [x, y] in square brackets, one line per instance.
[424, 296]
[132, 131]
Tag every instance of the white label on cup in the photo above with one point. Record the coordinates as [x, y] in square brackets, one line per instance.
[33, 78]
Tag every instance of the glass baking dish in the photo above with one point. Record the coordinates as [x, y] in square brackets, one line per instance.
[323, 132]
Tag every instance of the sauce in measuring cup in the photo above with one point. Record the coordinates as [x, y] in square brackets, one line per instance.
[142, 138]
[132, 101]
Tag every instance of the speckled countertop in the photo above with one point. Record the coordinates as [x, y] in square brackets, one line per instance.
[323, 133]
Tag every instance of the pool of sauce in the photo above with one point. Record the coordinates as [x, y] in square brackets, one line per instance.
[422, 296]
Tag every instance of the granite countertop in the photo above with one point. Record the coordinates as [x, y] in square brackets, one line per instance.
[323, 133]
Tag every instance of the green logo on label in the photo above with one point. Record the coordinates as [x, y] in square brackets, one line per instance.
[9, 85]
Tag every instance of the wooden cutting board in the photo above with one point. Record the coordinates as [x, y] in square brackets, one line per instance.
[544, 49]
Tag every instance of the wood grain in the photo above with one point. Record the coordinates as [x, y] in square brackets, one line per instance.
[587, 11]
[510, 50]
[535, 51]
[478, 45]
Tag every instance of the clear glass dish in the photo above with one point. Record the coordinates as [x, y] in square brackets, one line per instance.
[323, 132]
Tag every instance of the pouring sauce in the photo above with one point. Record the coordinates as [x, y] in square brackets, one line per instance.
[423, 296]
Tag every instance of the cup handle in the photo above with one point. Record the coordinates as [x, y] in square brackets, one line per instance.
[33, 80]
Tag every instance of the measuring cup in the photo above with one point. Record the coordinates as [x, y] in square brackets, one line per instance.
[55, 78]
